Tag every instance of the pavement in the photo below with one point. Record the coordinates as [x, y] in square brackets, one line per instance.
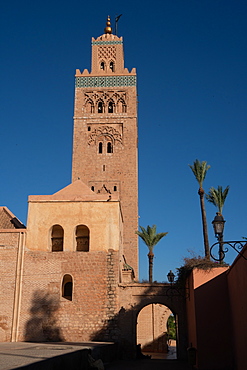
[73, 356]
[39, 356]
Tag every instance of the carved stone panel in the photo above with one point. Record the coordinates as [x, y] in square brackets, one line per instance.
[106, 132]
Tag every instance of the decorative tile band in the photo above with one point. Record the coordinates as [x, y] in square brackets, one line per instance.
[109, 81]
[106, 42]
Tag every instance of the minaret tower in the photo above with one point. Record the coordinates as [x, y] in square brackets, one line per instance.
[105, 132]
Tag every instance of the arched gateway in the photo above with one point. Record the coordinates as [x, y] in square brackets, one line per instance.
[136, 296]
[152, 329]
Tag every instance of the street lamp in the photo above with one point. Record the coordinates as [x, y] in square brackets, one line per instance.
[173, 290]
[171, 277]
[218, 225]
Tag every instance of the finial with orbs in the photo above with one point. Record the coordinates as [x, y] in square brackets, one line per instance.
[108, 28]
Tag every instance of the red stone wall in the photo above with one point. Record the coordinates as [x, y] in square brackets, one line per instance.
[209, 319]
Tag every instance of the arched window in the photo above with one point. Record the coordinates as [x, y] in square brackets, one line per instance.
[111, 107]
[100, 107]
[82, 238]
[122, 107]
[112, 66]
[102, 66]
[57, 238]
[109, 147]
[100, 148]
[67, 287]
[89, 107]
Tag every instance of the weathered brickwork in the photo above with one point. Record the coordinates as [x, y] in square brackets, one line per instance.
[8, 239]
[46, 315]
[111, 331]
[8, 270]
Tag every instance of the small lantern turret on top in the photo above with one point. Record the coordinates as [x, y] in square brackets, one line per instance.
[107, 53]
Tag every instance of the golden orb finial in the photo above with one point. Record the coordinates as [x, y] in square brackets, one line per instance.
[108, 28]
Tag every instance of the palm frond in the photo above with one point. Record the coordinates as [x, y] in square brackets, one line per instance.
[150, 236]
[217, 197]
[200, 169]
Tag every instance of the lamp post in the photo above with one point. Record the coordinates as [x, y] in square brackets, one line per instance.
[218, 225]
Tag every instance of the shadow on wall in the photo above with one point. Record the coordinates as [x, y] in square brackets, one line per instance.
[42, 325]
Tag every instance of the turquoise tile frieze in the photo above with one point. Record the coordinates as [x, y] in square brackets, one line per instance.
[106, 42]
[107, 81]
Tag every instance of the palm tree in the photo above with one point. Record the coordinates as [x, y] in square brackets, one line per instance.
[217, 197]
[200, 169]
[150, 238]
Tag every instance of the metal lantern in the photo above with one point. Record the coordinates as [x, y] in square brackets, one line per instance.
[218, 224]
[171, 276]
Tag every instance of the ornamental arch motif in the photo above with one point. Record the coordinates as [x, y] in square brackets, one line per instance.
[100, 100]
[89, 106]
[105, 134]
[121, 106]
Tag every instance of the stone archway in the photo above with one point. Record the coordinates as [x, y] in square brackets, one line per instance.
[135, 296]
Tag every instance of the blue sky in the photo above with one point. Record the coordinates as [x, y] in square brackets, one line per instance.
[191, 59]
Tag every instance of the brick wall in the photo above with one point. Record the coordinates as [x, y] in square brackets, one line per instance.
[46, 315]
[8, 269]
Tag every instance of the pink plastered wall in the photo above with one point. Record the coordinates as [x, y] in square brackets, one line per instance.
[209, 319]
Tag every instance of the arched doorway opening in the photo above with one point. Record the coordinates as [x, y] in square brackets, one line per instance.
[156, 331]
